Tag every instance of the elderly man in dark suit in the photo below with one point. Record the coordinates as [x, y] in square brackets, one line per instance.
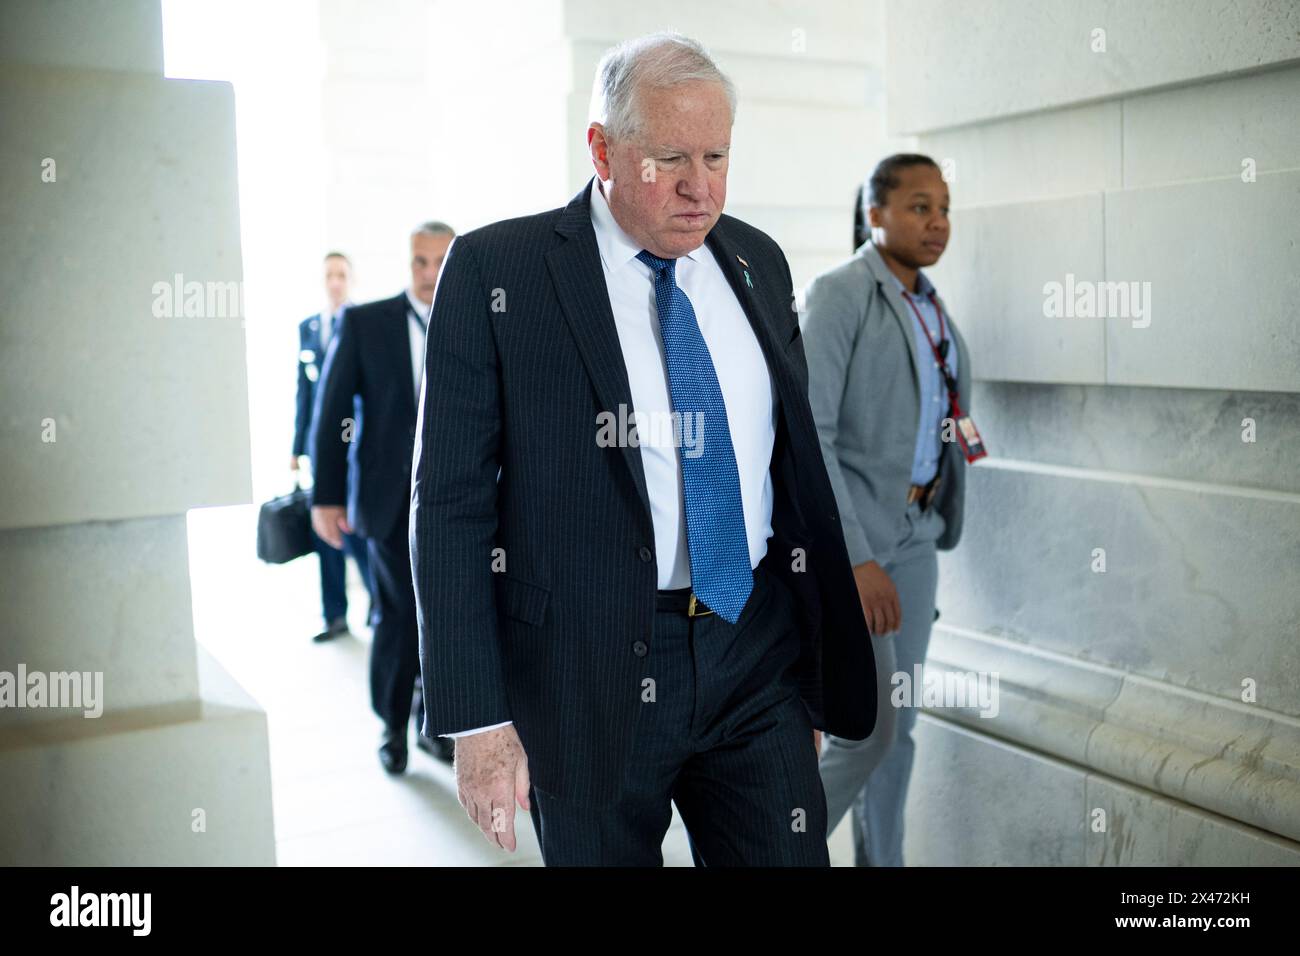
[633, 589]
[363, 474]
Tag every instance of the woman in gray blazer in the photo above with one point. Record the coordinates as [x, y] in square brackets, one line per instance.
[884, 363]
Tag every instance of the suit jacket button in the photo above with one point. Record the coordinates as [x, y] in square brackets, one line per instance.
[640, 649]
[646, 553]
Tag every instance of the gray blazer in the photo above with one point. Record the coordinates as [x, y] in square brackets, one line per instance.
[865, 393]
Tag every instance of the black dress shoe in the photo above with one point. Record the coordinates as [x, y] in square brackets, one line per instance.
[392, 752]
[439, 748]
[336, 627]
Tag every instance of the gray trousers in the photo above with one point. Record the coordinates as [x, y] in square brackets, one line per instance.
[870, 776]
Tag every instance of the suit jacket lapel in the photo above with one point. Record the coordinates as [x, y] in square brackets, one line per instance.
[402, 345]
[902, 311]
[579, 281]
[729, 256]
[903, 314]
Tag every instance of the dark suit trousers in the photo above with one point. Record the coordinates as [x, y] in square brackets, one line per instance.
[333, 573]
[725, 737]
[395, 647]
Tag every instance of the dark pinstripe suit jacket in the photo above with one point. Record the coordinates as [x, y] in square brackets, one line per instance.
[369, 359]
[522, 356]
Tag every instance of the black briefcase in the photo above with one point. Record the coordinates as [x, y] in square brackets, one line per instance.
[284, 528]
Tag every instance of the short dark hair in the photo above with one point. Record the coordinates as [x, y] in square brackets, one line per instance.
[334, 254]
[883, 179]
[885, 176]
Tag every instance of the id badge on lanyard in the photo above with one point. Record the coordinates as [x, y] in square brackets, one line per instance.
[968, 436]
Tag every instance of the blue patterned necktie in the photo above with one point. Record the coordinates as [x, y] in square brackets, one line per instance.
[721, 576]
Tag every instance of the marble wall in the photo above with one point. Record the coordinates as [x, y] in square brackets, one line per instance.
[1156, 144]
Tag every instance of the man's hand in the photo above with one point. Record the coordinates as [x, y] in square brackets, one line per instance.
[879, 598]
[491, 776]
[817, 741]
[293, 463]
[331, 523]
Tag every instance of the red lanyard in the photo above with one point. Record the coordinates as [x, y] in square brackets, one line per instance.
[949, 382]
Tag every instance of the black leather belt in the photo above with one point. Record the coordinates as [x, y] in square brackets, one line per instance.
[681, 601]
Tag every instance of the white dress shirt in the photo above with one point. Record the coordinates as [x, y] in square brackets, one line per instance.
[743, 376]
[328, 320]
[416, 332]
[747, 388]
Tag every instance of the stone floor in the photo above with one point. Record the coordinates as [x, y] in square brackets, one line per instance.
[333, 804]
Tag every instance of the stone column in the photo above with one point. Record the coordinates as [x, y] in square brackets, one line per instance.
[125, 404]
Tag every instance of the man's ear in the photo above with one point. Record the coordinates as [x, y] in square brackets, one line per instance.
[873, 217]
[598, 146]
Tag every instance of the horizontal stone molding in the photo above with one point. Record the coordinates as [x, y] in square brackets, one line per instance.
[1234, 759]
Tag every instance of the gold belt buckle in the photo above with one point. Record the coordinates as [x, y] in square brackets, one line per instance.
[690, 608]
[923, 493]
[931, 492]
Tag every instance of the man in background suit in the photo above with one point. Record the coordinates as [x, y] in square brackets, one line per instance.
[377, 356]
[614, 619]
[314, 334]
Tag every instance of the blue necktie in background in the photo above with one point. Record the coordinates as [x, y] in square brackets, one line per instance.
[715, 519]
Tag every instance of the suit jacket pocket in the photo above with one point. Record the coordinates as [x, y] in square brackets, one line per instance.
[522, 600]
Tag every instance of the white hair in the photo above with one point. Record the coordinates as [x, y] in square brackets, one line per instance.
[432, 228]
[656, 61]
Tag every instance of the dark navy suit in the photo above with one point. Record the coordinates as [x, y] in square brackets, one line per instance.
[333, 571]
[563, 638]
[369, 471]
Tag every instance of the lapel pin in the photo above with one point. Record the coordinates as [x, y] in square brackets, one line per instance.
[749, 282]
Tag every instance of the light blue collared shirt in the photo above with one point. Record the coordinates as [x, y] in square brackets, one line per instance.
[934, 393]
